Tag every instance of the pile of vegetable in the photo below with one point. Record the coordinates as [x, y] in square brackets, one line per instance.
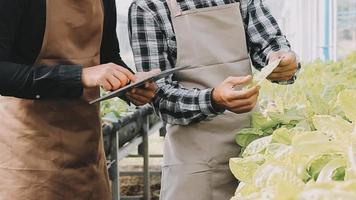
[302, 144]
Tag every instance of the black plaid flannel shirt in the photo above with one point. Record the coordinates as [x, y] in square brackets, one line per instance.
[154, 46]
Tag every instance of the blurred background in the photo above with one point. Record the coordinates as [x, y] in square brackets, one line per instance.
[317, 29]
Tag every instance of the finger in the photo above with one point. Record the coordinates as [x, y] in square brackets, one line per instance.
[106, 85]
[121, 77]
[243, 94]
[140, 99]
[125, 71]
[244, 102]
[144, 93]
[114, 82]
[290, 67]
[245, 109]
[238, 80]
[286, 78]
[134, 101]
[151, 86]
[281, 75]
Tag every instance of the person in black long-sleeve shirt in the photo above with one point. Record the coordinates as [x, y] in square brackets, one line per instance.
[22, 27]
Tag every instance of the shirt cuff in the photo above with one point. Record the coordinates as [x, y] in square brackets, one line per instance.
[70, 76]
[157, 98]
[205, 103]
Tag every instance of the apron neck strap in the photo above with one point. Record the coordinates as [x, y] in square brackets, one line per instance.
[174, 8]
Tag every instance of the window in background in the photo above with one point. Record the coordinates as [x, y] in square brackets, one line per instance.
[122, 31]
[346, 24]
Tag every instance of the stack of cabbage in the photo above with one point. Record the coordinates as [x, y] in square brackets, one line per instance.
[302, 144]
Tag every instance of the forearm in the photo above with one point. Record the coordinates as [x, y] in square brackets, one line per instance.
[178, 105]
[41, 82]
[263, 34]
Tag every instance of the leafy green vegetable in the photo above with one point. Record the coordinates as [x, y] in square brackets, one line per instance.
[243, 169]
[262, 122]
[246, 136]
[339, 174]
[282, 136]
[317, 164]
[302, 144]
[346, 100]
[257, 146]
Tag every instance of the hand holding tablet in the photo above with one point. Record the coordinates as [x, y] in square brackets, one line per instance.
[141, 81]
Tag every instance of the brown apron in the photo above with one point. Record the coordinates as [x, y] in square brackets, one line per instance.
[196, 157]
[53, 149]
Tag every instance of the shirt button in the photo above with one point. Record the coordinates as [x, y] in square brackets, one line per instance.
[38, 96]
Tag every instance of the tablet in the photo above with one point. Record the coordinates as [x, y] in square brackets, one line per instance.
[122, 91]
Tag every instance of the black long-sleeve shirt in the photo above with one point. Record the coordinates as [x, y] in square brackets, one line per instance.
[22, 27]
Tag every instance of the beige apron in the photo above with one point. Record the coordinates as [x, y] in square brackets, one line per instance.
[53, 149]
[212, 41]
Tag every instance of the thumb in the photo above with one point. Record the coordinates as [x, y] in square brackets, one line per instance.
[240, 80]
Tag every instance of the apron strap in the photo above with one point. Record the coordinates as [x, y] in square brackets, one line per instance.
[174, 8]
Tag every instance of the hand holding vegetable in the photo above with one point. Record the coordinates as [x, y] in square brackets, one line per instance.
[238, 101]
[287, 67]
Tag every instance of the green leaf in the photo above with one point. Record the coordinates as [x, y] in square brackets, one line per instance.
[262, 122]
[278, 151]
[347, 101]
[244, 168]
[257, 146]
[335, 127]
[282, 136]
[339, 174]
[326, 174]
[247, 135]
[317, 164]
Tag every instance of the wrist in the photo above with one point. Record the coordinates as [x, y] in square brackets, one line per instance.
[86, 78]
[215, 99]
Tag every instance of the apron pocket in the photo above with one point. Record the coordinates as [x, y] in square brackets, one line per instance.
[186, 182]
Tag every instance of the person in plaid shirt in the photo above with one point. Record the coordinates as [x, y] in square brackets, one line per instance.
[154, 45]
